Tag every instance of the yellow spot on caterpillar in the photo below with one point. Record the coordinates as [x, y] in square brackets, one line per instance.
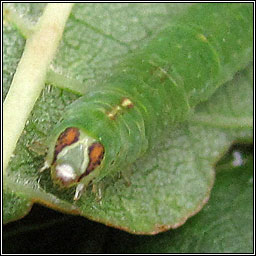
[126, 103]
[202, 37]
[119, 109]
[113, 113]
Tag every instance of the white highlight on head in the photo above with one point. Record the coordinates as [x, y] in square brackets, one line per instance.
[65, 172]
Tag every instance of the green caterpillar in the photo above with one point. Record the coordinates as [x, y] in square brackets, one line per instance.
[121, 118]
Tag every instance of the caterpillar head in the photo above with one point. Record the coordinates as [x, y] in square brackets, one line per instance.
[75, 156]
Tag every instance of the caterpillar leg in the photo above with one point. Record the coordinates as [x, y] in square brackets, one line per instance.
[96, 189]
[80, 188]
[45, 167]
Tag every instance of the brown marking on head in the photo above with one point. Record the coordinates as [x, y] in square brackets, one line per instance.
[127, 103]
[66, 138]
[96, 154]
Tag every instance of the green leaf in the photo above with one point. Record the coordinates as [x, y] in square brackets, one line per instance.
[15, 205]
[97, 37]
[45, 225]
[165, 187]
[225, 225]
[172, 185]
[231, 106]
[13, 44]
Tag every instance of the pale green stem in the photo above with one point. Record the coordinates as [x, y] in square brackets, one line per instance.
[65, 82]
[29, 78]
